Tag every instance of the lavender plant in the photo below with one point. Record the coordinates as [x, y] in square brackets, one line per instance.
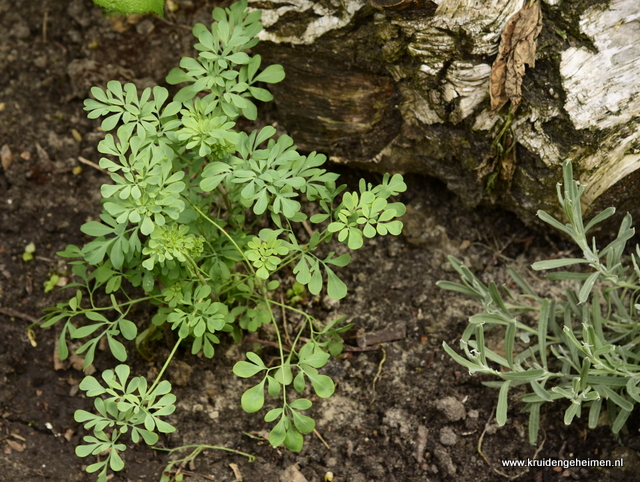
[584, 347]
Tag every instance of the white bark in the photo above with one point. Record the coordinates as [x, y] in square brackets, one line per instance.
[440, 86]
[603, 92]
[336, 15]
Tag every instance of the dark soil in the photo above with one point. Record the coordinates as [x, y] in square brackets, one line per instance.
[402, 412]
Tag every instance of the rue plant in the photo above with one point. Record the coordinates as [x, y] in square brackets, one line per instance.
[583, 347]
[179, 230]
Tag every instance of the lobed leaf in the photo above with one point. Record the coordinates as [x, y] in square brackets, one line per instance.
[245, 369]
[253, 399]
[322, 384]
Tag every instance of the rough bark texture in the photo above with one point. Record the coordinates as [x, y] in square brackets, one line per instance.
[403, 85]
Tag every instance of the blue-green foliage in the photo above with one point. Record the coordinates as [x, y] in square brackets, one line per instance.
[177, 223]
[129, 406]
[583, 346]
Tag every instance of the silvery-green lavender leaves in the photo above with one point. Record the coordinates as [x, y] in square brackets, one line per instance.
[177, 230]
[583, 347]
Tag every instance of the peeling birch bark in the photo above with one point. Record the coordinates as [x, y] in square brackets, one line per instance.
[603, 92]
[408, 90]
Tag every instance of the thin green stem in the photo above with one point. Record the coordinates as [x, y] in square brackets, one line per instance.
[295, 310]
[309, 320]
[295, 342]
[166, 364]
[126, 303]
[200, 448]
[497, 143]
[302, 250]
[195, 268]
[234, 285]
[223, 231]
[279, 337]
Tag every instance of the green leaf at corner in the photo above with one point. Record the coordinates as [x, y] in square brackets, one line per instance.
[128, 328]
[303, 423]
[293, 440]
[336, 289]
[94, 228]
[245, 369]
[556, 263]
[115, 461]
[272, 74]
[279, 432]
[91, 386]
[63, 350]
[84, 450]
[322, 384]
[133, 6]
[253, 399]
[501, 410]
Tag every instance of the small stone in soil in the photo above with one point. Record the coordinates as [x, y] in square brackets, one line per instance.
[448, 436]
[452, 408]
[330, 304]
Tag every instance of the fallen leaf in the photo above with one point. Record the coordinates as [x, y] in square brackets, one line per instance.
[43, 155]
[517, 49]
[118, 24]
[236, 472]
[292, 474]
[172, 6]
[18, 447]
[31, 334]
[76, 135]
[73, 361]
[6, 157]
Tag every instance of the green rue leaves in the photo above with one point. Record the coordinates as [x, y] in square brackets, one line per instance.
[178, 230]
[129, 406]
[292, 423]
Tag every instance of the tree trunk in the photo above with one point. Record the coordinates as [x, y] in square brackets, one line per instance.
[403, 85]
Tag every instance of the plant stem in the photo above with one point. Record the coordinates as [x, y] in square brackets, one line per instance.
[200, 448]
[295, 342]
[166, 364]
[295, 310]
[196, 269]
[105, 308]
[223, 231]
[280, 346]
